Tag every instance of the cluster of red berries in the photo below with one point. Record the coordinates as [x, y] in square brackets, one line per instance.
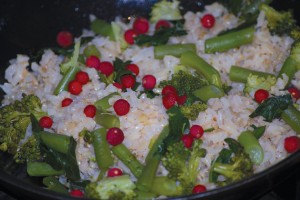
[171, 97]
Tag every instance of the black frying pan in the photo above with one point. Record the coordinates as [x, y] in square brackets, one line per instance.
[27, 26]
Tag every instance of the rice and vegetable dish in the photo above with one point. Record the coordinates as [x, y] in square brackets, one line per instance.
[173, 105]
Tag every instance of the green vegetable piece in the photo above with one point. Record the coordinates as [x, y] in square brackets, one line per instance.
[91, 50]
[42, 169]
[192, 111]
[229, 41]
[53, 184]
[118, 35]
[103, 28]
[57, 142]
[207, 92]
[28, 151]
[103, 104]
[162, 185]
[165, 10]
[107, 120]
[144, 195]
[252, 147]
[258, 131]
[292, 117]
[65, 67]
[255, 82]
[173, 49]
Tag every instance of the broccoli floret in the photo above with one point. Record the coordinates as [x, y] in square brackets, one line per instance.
[119, 187]
[281, 22]
[255, 82]
[192, 111]
[29, 151]
[183, 163]
[165, 10]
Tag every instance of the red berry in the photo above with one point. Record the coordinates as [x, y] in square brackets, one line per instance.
[196, 131]
[199, 189]
[169, 89]
[92, 61]
[294, 92]
[128, 81]
[45, 122]
[169, 100]
[118, 85]
[134, 68]
[106, 68]
[90, 111]
[149, 82]
[141, 25]
[261, 95]
[75, 87]
[187, 140]
[292, 144]
[162, 24]
[66, 102]
[181, 99]
[64, 39]
[112, 172]
[121, 107]
[114, 136]
[82, 77]
[208, 21]
[129, 36]
[76, 193]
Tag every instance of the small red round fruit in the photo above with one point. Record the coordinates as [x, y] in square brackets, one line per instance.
[128, 80]
[66, 102]
[187, 140]
[208, 21]
[118, 85]
[121, 107]
[112, 172]
[90, 111]
[75, 87]
[134, 68]
[106, 68]
[162, 24]
[129, 36]
[199, 188]
[261, 95]
[168, 89]
[292, 144]
[114, 136]
[45, 122]
[92, 61]
[76, 193]
[82, 77]
[64, 39]
[149, 82]
[141, 25]
[294, 92]
[196, 131]
[181, 99]
[169, 100]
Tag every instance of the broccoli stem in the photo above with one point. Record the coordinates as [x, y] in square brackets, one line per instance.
[107, 120]
[141, 195]
[162, 185]
[53, 184]
[103, 28]
[103, 103]
[207, 92]
[55, 141]
[251, 146]
[288, 68]
[125, 155]
[292, 117]
[42, 169]
[173, 50]
[192, 60]
[229, 41]
[240, 74]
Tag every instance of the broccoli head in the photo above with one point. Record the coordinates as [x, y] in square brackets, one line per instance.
[192, 111]
[165, 10]
[119, 187]
[28, 151]
[255, 82]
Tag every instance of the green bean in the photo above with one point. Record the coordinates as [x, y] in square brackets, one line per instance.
[107, 120]
[91, 50]
[103, 28]
[192, 60]
[240, 74]
[207, 92]
[55, 141]
[230, 40]
[42, 169]
[173, 50]
[53, 184]
[289, 68]
[103, 103]
[251, 146]
[125, 155]
[292, 117]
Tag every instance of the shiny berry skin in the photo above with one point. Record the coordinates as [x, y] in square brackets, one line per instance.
[114, 136]
[208, 21]
[261, 95]
[112, 172]
[294, 92]
[134, 68]
[64, 39]
[181, 99]
[92, 61]
[196, 131]
[118, 85]
[45, 122]
[199, 189]
[66, 102]
[129, 36]
[106, 68]
[90, 111]
[121, 107]
[149, 82]
[75, 87]
[169, 100]
[162, 24]
[76, 193]
[292, 144]
[82, 77]
[128, 81]
[168, 89]
[187, 141]
[141, 25]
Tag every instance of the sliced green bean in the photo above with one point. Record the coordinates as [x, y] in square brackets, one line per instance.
[103, 28]
[292, 117]
[55, 141]
[53, 184]
[207, 92]
[103, 103]
[91, 50]
[42, 169]
[173, 50]
[289, 68]
[107, 120]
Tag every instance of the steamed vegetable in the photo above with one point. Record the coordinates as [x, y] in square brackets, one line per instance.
[168, 10]
[255, 82]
